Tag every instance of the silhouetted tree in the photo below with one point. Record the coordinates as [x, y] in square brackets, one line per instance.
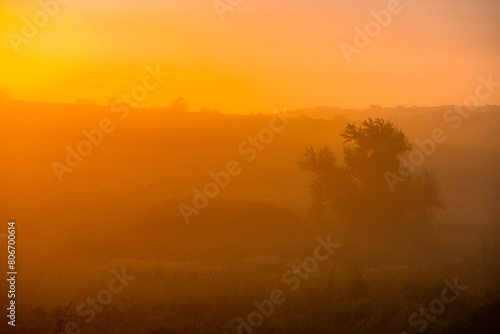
[358, 190]
[179, 104]
[62, 315]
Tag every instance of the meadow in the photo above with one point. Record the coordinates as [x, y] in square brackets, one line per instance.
[120, 209]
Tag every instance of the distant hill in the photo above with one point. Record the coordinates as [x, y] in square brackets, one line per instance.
[332, 113]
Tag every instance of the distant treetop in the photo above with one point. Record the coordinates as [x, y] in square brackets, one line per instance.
[179, 104]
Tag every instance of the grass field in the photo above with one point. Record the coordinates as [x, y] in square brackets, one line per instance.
[120, 209]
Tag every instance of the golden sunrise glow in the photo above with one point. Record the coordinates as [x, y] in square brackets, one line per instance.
[250, 166]
[263, 55]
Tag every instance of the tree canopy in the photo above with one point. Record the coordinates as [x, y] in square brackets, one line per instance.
[357, 190]
[179, 104]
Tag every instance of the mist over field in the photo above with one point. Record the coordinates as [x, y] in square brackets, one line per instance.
[244, 167]
[119, 209]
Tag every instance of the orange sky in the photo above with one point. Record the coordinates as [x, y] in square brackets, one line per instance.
[264, 55]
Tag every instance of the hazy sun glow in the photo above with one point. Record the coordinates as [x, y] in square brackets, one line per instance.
[258, 166]
[264, 55]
